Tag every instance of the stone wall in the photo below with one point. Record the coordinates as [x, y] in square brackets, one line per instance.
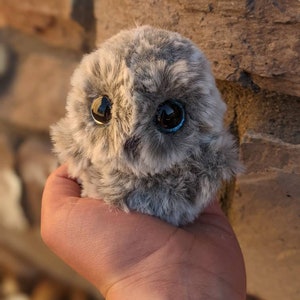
[41, 42]
[254, 51]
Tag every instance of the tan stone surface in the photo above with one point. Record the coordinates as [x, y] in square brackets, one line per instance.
[3, 60]
[266, 220]
[12, 264]
[35, 161]
[262, 152]
[246, 41]
[30, 247]
[265, 215]
[38, 93]
[11, 212]
[251, 45]
[53, 7]
[262, 112]
[7, 158]
[50, 20]
[10, 290]
[48, 290]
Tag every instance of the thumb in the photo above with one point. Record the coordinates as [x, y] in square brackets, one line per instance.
[60, 191]
[93, 237]
[60, 186]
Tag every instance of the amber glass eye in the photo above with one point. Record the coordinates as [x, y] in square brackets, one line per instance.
[101, 110]
[170, 116]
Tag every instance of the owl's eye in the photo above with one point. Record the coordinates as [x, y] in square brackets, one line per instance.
[170, 116]
[101, 110]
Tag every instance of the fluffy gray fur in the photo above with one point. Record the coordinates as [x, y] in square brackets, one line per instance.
[130, 163]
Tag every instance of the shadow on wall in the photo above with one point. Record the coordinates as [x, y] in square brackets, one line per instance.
[8, 65]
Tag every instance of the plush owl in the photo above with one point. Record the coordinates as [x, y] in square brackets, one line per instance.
[143, 129]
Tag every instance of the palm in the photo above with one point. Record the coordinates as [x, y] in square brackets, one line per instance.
[125, 254]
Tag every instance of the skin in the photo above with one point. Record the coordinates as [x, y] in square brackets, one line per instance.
[136, 256]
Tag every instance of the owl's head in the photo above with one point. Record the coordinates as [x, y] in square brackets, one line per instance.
[144, 101]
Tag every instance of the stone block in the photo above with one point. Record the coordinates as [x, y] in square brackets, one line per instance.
[35, 161]
[262, 112]
[265, 215]
[54, 21]
[48, 290]
[11, 212]
[255, 43]
[10, 290]
[4, 58]
[37, 94]
[12, 264]
[263, 153]
[41, 259]
[59, 8]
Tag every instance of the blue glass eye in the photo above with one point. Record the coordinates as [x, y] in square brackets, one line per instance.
[101, 110]
[170, 116]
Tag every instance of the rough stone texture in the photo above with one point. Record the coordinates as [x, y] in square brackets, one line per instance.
[254, 49]
[265, 205]
[35, 163]
[49, 290]
[253, 42]
[262, 152]
[7, 157]
[267, 112]
[42, 260]
[37, 96]
[9, 289]
[13, 264]
[3, 60]
[265, 215]
[11, 212]
[33, 89]
[53, 21]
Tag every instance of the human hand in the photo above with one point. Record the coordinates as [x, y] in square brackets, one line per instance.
[136, 256]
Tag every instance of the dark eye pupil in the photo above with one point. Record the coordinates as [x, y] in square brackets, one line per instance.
[101, 110]
[170, 116]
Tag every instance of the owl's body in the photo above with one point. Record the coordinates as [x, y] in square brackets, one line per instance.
[144, 126]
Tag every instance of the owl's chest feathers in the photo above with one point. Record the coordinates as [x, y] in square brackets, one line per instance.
[184, 182]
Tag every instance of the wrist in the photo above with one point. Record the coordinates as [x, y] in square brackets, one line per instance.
[181, 281]
[146, 289]
[176, 271]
